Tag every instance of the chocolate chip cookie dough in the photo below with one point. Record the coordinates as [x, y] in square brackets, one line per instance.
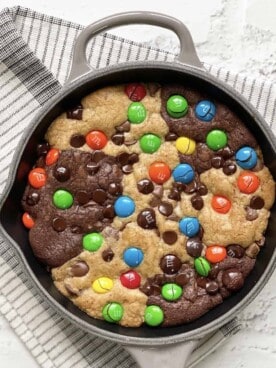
[148, 203]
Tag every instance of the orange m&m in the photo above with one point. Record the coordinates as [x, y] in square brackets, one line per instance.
[220, 204]
[248, 182]
[215, 253]
[37, 177]
[52, 156]
[27, 220]
[96, 139]
[159, 172]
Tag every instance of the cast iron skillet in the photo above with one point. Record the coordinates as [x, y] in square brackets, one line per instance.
[145, 343]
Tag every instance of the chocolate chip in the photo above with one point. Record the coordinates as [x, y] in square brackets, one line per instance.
[77, 140]
[173, 217]
[59, 224]
[130, 142]
[169, 237]
[82, 197]
[146, 219]
[62, 173]
[108, 255]
[114, 189]
[232, 279]
[257, 202]
[153, 88]
[75, 113]
[171, 137]
[165, 208]
[92, 168]
[197, 202]
[127, 169]
[251, 214]
[253, 250]
[179, 186]
[118, 139]
[225, 152]
[76, 229]
[202, 189]
[73, 290]
[146, 289]
[190, 188]
[122, 158]
[145, 186]
[182, 279]
[133, 158]
[108, 211]
[261, 242]
[154, 202]
[170, 264]
[33, 199]
[42, 149]
[217, 162]
[158, 191]
[99, 196]
[79, 269]
[203, 152]
[123, 128]
[194, 247]
[212, 287]
[201, 282]
[106, 168]
[98, 155]
[229, 168]
[235, 251]
[174, 194]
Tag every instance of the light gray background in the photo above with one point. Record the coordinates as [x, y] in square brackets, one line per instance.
[239, 35]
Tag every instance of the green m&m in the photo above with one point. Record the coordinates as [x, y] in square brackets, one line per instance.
[171, 291]
[216, 139]
[113, 312]
[136, 112]
[154, 315]
[92, 242]
[177, 106]
[202, 266]
[63, 199]
[150, 143]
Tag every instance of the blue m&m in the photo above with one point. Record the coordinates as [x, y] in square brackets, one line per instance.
[205, 110]
[183, 173]
[246, 157]
[133, 256]
[189, 226]
[124, 206]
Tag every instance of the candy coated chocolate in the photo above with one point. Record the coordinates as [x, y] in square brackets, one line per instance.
[96, 139]
[135, 91]
[113, 312]
[136, 113]
[189, 226]
[248, 182]
[124, 206]
[63, 199]
[185, 145]
[205, 110]
[133, 256]
[92, 242]
[171, 292]
[150, 143]
[235, 251]
[184, 173]
[154, 315]
[202, 266]
[146, 219]
[194, 247]
[170, 264]
[177, 106]
[159, 172]
[216, 139]
[102, 285]
[246, 157]
[130, 279]
[37, 177]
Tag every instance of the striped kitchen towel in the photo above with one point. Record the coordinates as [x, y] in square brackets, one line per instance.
[35, 56]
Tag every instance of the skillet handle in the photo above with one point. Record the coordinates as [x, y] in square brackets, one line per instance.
[175, 356]
[186, 56]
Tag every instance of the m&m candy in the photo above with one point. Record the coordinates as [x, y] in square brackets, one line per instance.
[27, 220]
[216, 139]
[183, 173]
[124, 206]
[37, 177]
[177, 106]
[248, 182]
[189, 226]
[92, 242]
[220, 204]
[246, 157]
[159, 172]
[150, 143]
[52, 156]
[112, 312]
[154, 315]
[102, 285]
[135, 91]
[185, 145]
[63, 199]
[136, 113]
[171, 291]
[130, 279]
[202, 266]
[133, 256]
[96, 139]
[205, 110]
[215, 253]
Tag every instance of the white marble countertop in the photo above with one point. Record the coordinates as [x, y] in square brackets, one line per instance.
[239, 35]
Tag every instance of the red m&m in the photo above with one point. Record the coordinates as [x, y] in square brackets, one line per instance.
[220, 204]
[130, 279]
[27, 220]
[215, 253]
[96, 139]
[159, 172]
[52, 156]
[135, 91]
[37, 177]
[248, 182]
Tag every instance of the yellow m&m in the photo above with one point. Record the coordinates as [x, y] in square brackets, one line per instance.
[102, 285]
[185, 145]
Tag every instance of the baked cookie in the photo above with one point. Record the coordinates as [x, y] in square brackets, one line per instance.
[148, 203]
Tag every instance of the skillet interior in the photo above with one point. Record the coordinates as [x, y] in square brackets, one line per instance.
[11, 211]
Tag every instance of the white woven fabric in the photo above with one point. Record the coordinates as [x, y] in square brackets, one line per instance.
[35, 56]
